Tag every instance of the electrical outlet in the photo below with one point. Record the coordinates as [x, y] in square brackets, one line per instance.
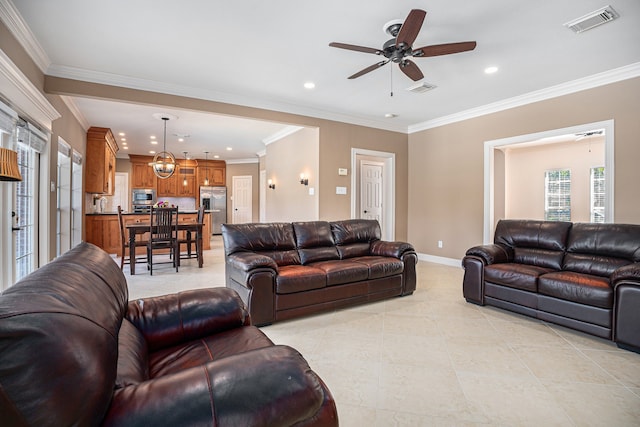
[440, 244]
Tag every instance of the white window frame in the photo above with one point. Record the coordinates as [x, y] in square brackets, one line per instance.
[557, 190]
[597, 194]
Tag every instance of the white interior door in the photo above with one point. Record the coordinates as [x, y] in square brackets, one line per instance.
[120, 192]
[241, 199]
[371, 179]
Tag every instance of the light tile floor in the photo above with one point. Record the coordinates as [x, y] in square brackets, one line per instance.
[431, 359]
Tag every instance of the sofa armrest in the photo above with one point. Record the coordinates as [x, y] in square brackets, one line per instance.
[390, 249]
[491, 254]
[267, 386]
[629, 273]
[171, 319]
[241, 265]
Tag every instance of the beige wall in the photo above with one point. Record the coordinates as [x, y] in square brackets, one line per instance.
[335, 141]
[446, 163]
[285, 160]
[525, 169]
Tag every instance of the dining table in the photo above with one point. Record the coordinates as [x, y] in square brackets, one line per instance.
[136, 228]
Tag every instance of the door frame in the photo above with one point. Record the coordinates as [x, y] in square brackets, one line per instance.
[491, 146]
[388, 188]
[233, 197]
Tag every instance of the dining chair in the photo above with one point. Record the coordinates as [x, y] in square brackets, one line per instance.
[189, 240]
[124, 244]
[163, 235]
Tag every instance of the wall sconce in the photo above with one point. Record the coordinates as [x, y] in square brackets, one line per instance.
[304, 180]
[271, 184]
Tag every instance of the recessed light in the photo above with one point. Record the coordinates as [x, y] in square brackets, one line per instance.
[154, 142]
[491, 70]
[123, 139]
[216, 157]
[153, 137]
[124, 143]
[152, 152]
[180, 139]
[309, 85]
[121, 134]
[390, 115]
[229, 148]
[125, 148]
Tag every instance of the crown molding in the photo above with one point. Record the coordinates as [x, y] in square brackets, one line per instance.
[21, 31]
[26, 98]
[590, 82]
[242, 161]
[211, 95]
[73, 107]
[283, 133]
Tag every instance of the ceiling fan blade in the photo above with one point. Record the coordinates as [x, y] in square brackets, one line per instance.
[443, 49]
[368, 69]
[356, 48]
[411, 70]
[410, 28]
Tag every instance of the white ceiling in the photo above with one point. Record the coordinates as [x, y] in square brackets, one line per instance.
[260, 53]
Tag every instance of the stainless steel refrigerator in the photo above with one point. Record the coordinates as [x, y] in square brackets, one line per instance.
[214, 200]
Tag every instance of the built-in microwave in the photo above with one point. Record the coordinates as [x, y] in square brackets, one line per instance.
[143, 196]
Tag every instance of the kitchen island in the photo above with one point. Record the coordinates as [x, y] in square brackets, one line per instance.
[103, 230]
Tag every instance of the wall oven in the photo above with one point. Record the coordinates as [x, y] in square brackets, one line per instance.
[142, 198]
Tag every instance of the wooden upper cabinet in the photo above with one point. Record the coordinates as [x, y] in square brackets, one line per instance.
[142, 175]
[216, 170]
[100, 161]
[168, 187]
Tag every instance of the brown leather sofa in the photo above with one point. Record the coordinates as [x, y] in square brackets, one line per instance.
[583, 276]
[74, 351]
[286, 270]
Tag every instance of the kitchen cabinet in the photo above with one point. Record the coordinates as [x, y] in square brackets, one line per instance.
[215, 170]
[174, 185]
[104, 232]
[168, 187]
[100, 163]
[142, 175]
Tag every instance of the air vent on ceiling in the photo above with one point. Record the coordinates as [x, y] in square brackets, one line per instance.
[593, 19]
[421, 87]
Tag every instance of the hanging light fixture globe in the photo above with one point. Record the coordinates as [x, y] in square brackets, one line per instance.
[164, 163]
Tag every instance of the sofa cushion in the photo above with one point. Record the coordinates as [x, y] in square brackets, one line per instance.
[201, 351]
[380, 266]
[315, 241]
[353, 237]
[519, 276]
[276, 240]
[342, 271]
[600, 249]
[299, 278]
[540, 243]
[133, 362]
[577, 287]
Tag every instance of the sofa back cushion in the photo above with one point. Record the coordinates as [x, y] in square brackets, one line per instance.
[540, 243]
[59, 331]
[600, 249]
[275, 240]
[315, 241]
[133, 356]
[353, 237]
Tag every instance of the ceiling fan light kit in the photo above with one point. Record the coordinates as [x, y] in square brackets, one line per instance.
[400, 47]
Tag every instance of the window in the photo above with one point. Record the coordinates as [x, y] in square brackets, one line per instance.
[597, 199]
[63, 202]
[557, 195]
[76, 199]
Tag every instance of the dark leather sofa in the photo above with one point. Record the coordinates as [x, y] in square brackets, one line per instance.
[286, 270]
[74, 351]
[583, 276]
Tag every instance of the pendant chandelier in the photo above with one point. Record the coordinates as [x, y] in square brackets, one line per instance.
[164, 163]
[206, 167]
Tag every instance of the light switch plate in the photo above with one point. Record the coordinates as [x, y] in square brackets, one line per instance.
[343, 171]
[312, 191]
[341, 190]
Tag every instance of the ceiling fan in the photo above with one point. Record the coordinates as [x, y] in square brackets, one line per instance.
[399, 48]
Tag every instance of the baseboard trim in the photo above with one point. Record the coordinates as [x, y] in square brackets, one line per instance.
[452, 262]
